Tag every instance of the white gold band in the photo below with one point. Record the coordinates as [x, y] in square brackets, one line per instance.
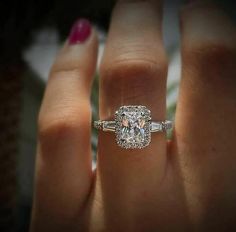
[159, 126]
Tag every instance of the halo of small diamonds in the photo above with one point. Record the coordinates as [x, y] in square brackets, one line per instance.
[133, 126]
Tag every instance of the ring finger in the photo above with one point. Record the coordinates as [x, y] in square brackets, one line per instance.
[133, 72]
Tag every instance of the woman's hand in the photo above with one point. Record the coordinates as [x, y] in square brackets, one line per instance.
[187, 184]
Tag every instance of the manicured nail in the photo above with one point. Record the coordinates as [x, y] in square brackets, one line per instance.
[80, 31]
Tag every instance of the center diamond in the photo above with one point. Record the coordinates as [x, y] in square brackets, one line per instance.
[133, 126]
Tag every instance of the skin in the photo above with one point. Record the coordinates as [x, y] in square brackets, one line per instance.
[187, 184]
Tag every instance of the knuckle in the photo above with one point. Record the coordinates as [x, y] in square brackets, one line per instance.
[209, 53]
[64, 71]
[62, 124]
[213, 64]
[131, 68]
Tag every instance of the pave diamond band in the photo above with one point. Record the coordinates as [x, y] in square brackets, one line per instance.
[133, 126]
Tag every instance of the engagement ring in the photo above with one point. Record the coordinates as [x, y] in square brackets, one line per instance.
[133, 126]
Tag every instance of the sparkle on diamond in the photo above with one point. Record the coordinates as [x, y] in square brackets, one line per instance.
[132, 127]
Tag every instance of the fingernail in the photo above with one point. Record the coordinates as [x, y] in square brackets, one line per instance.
[80, 31]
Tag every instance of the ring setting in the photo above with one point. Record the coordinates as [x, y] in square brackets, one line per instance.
[133, 126]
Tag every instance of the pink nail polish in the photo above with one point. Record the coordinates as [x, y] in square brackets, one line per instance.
[80, 31]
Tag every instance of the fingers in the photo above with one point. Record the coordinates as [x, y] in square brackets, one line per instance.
[133, 72]
[206, 112]
[63, 176]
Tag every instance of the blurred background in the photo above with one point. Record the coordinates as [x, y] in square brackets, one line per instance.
[31, 32]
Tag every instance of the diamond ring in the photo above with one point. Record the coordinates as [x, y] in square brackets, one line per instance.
[133, 126]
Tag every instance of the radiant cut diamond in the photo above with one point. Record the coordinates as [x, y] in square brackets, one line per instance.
[133, 126]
